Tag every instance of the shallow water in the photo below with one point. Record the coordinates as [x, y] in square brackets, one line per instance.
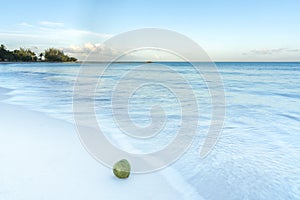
[256, 157]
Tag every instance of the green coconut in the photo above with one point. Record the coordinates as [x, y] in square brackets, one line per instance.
[122, 169]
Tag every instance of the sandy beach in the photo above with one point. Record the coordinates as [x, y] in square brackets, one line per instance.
[42, 158]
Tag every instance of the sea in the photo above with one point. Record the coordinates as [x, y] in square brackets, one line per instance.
[257, 153]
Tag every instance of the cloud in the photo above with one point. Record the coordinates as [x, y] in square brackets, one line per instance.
[86, 48]
[51, 24]
[48, 34]
[81, 33]
[293, 50]
[271, 51]
[25, 24]
[104, 53]
[92, 52]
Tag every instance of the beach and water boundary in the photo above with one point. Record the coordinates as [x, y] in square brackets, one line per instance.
[256, 154]
[42, 158]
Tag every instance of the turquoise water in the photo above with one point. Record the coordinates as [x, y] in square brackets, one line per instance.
[256, 157]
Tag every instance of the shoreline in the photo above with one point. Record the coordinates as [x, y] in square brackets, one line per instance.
[152, 62]
[43, 159]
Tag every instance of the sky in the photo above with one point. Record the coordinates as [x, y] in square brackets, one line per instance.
[231, 30]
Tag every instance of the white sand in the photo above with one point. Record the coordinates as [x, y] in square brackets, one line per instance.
[42, 158]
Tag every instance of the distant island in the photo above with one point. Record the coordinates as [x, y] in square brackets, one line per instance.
[27, 55]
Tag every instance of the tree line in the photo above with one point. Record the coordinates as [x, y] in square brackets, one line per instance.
[27, 55]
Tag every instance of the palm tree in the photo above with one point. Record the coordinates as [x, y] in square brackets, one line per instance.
[41, 56]
[2, 47]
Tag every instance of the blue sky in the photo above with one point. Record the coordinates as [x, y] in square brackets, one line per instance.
[253, 30]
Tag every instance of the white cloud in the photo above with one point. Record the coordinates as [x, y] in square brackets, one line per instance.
[81, 33]
[87, 48]
[25, 24]
[293, 50]
[48, 34]
[271, 51]
[92, 52]
[51, 24]
[102, 52]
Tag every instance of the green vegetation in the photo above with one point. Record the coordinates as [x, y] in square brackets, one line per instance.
[56, 55]
[26, 55]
